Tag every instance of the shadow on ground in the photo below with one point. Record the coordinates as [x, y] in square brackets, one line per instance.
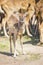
[32, 41]
[6, 53]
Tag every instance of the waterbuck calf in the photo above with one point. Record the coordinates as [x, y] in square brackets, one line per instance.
[15, 29]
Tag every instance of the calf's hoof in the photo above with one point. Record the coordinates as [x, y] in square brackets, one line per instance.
[14, 56]
[24, 53]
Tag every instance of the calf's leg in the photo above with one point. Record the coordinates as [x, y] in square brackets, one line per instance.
[10, 44]
[14, 42]
[21, 43]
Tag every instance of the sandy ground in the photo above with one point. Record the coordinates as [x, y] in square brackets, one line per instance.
[28, 59]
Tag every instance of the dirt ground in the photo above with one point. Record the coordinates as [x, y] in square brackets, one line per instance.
[21, 60]
[33, 56]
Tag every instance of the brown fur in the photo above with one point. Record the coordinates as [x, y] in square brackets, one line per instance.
[15, 30]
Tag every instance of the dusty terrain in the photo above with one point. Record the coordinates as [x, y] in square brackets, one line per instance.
[33, 56]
